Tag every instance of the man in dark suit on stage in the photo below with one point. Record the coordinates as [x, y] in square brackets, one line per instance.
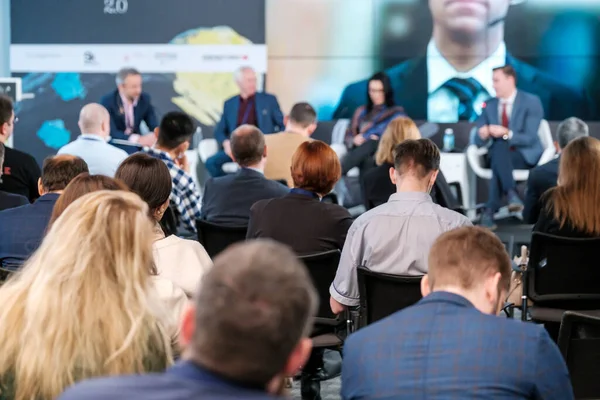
[508, 127]
[451, 81]
[128, 106]
[545, 176]
[227, 199]
[249, 107]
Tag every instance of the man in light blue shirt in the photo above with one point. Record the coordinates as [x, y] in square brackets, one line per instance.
[92, 146]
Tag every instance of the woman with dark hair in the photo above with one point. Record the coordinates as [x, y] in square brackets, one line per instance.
[184, 262]
[369, 123]
[571, 208]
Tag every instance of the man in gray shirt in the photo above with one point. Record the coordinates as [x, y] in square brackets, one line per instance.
[395, 237]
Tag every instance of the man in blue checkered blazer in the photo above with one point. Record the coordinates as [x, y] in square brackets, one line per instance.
[451, 344]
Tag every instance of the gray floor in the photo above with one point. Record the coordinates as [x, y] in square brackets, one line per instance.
[330, 390]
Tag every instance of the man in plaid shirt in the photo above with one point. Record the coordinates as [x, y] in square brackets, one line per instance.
[174, 134]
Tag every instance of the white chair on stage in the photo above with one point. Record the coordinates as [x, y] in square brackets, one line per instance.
[208, 148]
[476, 155]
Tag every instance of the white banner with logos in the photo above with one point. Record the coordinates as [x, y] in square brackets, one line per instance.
[148, 58]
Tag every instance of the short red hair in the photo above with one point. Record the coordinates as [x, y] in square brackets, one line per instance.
[315, 167]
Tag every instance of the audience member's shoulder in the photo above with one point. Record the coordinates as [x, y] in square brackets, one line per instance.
[278, 187]
[451, 216]
[336, 210]
[114, 387]
[20, 155]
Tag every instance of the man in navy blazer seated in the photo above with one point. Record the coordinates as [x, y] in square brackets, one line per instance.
[227, 200]
[249, 107]
[451, 80]
[23, 228]
[508, 126]
[544, 177]
[452, 344]
[128, 106]
[244, 333]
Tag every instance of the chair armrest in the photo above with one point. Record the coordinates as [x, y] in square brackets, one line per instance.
[207, 148]
[474, 156]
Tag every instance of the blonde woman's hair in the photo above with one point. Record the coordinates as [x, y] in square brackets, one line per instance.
[82, 306]
[397, 131]
[575, 200]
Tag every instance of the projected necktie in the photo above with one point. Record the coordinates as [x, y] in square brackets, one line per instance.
[466, 90]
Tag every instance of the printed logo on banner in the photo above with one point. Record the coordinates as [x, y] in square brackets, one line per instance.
[89, 58]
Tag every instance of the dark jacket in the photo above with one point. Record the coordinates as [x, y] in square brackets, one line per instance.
[540, 179]
[23, 228]
[269, 117]
[409, 81]
[378, 187]
[302, 222]
[20, 174]
[10, 200]
[143, 111]
[227, 200]
[181, 382]
[546, 223]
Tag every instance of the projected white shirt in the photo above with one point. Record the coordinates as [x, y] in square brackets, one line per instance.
[442, 104]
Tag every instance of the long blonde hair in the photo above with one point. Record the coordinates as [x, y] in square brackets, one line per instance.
[82, 306]
[397, 131]
[575, 200]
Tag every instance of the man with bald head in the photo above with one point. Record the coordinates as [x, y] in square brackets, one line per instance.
[92, 145]
[227, 200]
[22, 228]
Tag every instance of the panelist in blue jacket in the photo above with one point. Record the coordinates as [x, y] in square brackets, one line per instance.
[508, 126]
[128, 106]
[249, 107]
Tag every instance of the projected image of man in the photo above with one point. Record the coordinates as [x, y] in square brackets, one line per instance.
[453, 79]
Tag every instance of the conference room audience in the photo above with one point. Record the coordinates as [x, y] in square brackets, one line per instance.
[369, 123]
[300, 219]
[128, 106]
[173, 139]
[395, 237]
[82, 306]
[376, 183]
[300, 124]
[544, 177]
[227, 199]
[9, 200]
[571, 208]
[81, 185]
[20, 172]
[92, 145]
[451, 343]
[184, 262]
[508, 126]
[173, 298]
[248, 108]
[23, 228]
[247, 330]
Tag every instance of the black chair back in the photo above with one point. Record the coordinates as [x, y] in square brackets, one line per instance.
[579, 343]
[216, 238]
[563, 272]
[170, 220]
[322, 268]
[383, 294]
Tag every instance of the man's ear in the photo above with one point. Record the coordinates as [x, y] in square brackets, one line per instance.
[41, 190]
[425, 288]
[156, 132]
[187, 325]
[286, 119]
[312, 128]
[393, 175]
[265, 152]
[556, 146]
[298, 357]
